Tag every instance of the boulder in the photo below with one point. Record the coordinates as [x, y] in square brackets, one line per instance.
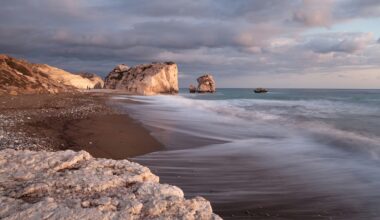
[206, 83]
[192, 88]
[144, 79]
[74, 185]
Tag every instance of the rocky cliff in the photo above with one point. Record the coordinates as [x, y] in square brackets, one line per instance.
[21, 77]
[74, 185]
[144, 79]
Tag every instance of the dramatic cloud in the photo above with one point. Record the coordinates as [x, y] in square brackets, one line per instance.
[232, 39]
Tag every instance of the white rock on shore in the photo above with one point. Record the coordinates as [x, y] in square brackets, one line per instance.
[69, 79]
[144, 79]
[74, 185]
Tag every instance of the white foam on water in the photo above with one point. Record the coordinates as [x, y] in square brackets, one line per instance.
[276, 150]
[230, 120]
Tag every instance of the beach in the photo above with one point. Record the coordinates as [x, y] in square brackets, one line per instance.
[70, 156]
[72, 121]
[268, 157]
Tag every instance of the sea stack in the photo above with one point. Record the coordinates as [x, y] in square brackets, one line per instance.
[206, 84]
[144, 79]
[192, 89]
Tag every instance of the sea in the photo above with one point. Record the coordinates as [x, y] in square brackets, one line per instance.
[285, 154]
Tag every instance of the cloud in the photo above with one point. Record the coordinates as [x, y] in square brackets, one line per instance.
[358, 9]
[314, 13]
[227, 38]
[345, 43]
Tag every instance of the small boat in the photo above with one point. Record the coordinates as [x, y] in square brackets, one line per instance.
[260, 90]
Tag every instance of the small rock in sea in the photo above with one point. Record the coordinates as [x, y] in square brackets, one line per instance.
[192, 88]
[206, 83]
[260, 90]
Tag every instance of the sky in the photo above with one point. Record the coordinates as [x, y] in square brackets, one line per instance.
[242, 43]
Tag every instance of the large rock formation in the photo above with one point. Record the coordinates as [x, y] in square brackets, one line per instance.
[21, 77]
[74, 185]
[144, 79]
[206, 83]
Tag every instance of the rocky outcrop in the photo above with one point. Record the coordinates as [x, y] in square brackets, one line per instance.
[206, 83]
[68, 79]
[192, 88]
[144, 79]
[74, 185]
[21, 77]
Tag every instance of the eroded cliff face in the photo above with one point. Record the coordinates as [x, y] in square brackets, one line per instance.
[21, 77]
[74, 185]
[144, 79]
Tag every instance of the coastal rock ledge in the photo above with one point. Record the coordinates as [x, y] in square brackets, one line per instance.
[74, 185]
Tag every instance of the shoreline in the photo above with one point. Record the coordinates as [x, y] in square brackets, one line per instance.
[39, 179]
[81, 121]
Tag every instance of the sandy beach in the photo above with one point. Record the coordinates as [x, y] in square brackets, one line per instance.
[72, 121]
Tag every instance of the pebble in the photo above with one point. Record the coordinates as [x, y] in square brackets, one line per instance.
[12, 121]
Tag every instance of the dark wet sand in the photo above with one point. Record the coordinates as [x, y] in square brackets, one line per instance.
[110, 136]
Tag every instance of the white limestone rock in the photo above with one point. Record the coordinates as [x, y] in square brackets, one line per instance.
[74, 185]
[69, 79]
[144, 79]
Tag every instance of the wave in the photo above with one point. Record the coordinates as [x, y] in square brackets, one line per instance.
[239, 119]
